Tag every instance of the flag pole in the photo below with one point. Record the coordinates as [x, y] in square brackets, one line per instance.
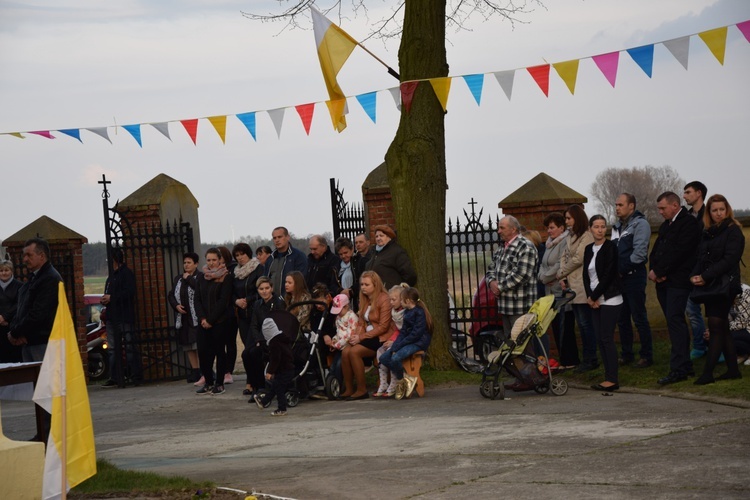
[391, 71]
[64, 450]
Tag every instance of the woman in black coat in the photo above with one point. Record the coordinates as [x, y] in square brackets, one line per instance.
[9, 287]
[719, 255]
[601, 281]
[390, 261]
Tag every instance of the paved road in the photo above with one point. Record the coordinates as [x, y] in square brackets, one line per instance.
[451, 444]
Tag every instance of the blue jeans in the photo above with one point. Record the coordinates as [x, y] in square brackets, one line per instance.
[588, 335]
[634, 305]
[695, 315]
[394, 360]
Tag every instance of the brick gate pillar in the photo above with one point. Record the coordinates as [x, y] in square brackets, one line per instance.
[376, 194]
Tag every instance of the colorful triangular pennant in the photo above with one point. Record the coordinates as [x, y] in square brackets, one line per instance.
[568, 71]
[442, 88]
[540, 74]
[644, 57]
[716, 40]
[407, 94]
[220, 125]
[43, 133]
[191, 127]
[680, 49]
[305, 112]
[505, 79]
[337, 109]
[162, 127]
[101, 132]
[248, 120]
[607, 64]
[15, 134]
[277, 117]
[75, 133]
[135, 131]
[396, 94]
[475, 84]
[368, 102]
[744, 28]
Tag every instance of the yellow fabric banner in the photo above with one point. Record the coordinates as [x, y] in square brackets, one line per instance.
[568, 71]
[716, 40]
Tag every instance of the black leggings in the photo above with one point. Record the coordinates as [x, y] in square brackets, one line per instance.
[211, 345]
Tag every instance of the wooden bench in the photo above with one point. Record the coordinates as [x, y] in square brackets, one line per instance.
[412, 366]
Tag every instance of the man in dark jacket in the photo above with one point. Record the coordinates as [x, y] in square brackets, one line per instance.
[632, 235]
[119, 297]
[322, 266]
[672, 259]
[37, 307]
[694, 194]
[284, 259]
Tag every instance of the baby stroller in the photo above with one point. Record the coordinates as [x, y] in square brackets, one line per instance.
[517, 357]
[310, 373]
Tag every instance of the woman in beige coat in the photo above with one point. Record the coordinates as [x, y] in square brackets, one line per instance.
[571, 276]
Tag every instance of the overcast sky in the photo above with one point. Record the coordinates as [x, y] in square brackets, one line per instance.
[85, 63]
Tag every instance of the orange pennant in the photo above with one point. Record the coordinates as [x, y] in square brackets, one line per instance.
[220, 125]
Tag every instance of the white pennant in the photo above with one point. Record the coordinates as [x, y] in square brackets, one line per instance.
[396, 94]
[277, 117]
[162, 127]
[101, 132]
[680, 49]
[505, 79]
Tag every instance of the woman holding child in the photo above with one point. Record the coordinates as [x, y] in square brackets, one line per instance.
[375, 327]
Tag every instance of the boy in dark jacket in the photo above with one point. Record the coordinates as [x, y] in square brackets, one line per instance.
[280, 369]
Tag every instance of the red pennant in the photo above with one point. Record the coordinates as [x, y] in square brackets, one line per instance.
[407, 94]
[43, 133]
[191, 126]
[540, 74]
[305, 112]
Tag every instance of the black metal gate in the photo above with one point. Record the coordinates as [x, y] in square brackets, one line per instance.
[154, 253]
[348, 219]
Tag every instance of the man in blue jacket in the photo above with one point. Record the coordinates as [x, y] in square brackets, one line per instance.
[631, 235]
[672, 260]
[284, 259]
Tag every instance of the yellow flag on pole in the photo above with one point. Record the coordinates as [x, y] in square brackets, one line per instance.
[334, 47]
[61, 391]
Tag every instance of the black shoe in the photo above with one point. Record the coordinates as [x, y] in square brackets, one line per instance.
[109, 384]
[357, 398]
[704, 380]
[672, 378]
[600, 387]
[644, 363]
[730, 376]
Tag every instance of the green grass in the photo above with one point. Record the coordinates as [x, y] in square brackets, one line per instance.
[94, 284]
[110, 479]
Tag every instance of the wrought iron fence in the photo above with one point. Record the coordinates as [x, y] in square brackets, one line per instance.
[348, 219]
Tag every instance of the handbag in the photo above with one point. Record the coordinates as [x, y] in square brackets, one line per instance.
[725, 287]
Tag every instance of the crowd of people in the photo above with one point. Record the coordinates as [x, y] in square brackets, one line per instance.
[694, 262]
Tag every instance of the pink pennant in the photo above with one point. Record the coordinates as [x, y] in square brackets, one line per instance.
[305, 112]
[744, 27]
[407, 94]
[191, 127]
[43, 133]
[540, 74]
[607, 64]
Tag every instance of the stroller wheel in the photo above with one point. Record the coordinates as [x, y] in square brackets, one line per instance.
[490, 389]
[333, 387]
[292, 398]
[542, 388]
[559, 386]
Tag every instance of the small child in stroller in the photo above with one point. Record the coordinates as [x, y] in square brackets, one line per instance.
[280, 371]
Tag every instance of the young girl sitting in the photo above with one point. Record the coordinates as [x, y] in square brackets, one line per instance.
[415, 336]
[386, 389]
[346, 324]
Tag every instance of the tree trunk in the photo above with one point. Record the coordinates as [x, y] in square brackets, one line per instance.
[416, 166]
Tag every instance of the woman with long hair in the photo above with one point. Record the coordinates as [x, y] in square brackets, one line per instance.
[719, 255]
[375, 326]
[245, 293]
[215, 314]
[296, 291]
[571, 276]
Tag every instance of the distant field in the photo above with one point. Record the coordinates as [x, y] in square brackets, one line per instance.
[94, 284]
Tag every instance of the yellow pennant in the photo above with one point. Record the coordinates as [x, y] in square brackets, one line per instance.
[337, 109]
[16, 134]
[568, 71]
[716, 40]
[220, 124]
[442, 87]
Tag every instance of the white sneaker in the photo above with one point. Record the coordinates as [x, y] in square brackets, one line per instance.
[228, 379]
[747, 362]
[201, 382]
[411, 383]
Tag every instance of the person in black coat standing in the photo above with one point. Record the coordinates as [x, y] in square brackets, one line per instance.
[719, 255]
[671, 261]
[9, 288]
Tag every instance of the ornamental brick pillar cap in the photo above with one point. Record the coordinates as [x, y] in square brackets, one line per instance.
[377, 181]
[47, 228]
[539, 191]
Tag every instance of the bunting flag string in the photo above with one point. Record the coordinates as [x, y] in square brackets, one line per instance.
[607, 63]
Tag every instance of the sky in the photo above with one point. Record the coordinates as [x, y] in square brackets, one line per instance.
[85, 63]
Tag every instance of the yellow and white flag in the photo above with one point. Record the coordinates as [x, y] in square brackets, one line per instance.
[334, 47]
[61, 390]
